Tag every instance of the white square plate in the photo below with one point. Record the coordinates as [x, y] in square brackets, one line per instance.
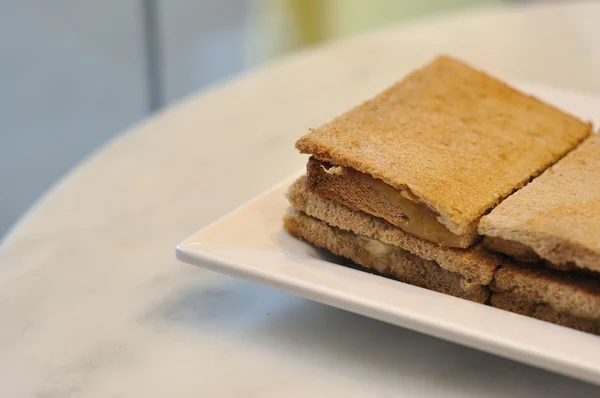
[250, 243]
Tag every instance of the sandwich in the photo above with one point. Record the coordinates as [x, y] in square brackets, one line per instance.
[437, 150]
[400, 183]
[565, 298]
[552, 224]
[476, 274]
[386, 249]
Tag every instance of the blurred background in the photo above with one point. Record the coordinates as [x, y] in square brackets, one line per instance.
[75, 73]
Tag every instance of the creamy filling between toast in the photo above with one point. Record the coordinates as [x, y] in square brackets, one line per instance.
[417, 218]
[376, 249]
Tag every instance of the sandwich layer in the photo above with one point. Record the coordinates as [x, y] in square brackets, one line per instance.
[526, 254]
[383, 258]
[475, 264]
[521, 305]
[568, 299]
[516, 250]
[557, 215]
[565, 293]
[455, 138]
[361, 191]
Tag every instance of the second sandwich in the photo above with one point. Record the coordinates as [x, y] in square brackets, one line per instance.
[400, 183]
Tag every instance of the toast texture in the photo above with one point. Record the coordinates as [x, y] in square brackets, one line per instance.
[565, 298]
[516, 250]
[457, 139]
[475, 264]
[351, 190]
[520, 305]
[567, 293]
[382, 258]
[557, 215]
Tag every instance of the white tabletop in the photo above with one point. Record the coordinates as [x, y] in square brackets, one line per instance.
[94, 304]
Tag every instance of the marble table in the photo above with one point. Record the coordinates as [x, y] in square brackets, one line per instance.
[94, 304]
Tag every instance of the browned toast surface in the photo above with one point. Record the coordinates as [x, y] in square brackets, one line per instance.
[474, 264]
[557, 215]
[568, 293]
[383, 258]
[522, 305]
[565, 298]
[457, 139]
[360, 191]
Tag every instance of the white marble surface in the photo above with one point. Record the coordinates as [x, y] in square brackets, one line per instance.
[93, 303]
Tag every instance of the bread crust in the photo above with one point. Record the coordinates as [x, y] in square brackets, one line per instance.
[458, 139]
[393, 261]
[475, 264]
[516, 250]
[565, 298]
[352, 191]
[523, 306]
[556, 215]
[567, 293]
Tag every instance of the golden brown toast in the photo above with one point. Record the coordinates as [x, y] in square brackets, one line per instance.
[360, 191]
[452, 137]
[474, 264]
[557, 215]
[385, 259]
[523, 306]
[568, 299]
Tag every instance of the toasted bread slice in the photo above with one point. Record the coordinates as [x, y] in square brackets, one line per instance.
[382, 258]
[557, 215]
[475, 265]
[522, 305]
[360, 191]
[452, 137]
[566, 293]
[516, 250]
[566, 299]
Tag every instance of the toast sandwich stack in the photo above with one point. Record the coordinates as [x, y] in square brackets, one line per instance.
[434, 182]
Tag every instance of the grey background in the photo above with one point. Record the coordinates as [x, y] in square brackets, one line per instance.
[74, 74]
